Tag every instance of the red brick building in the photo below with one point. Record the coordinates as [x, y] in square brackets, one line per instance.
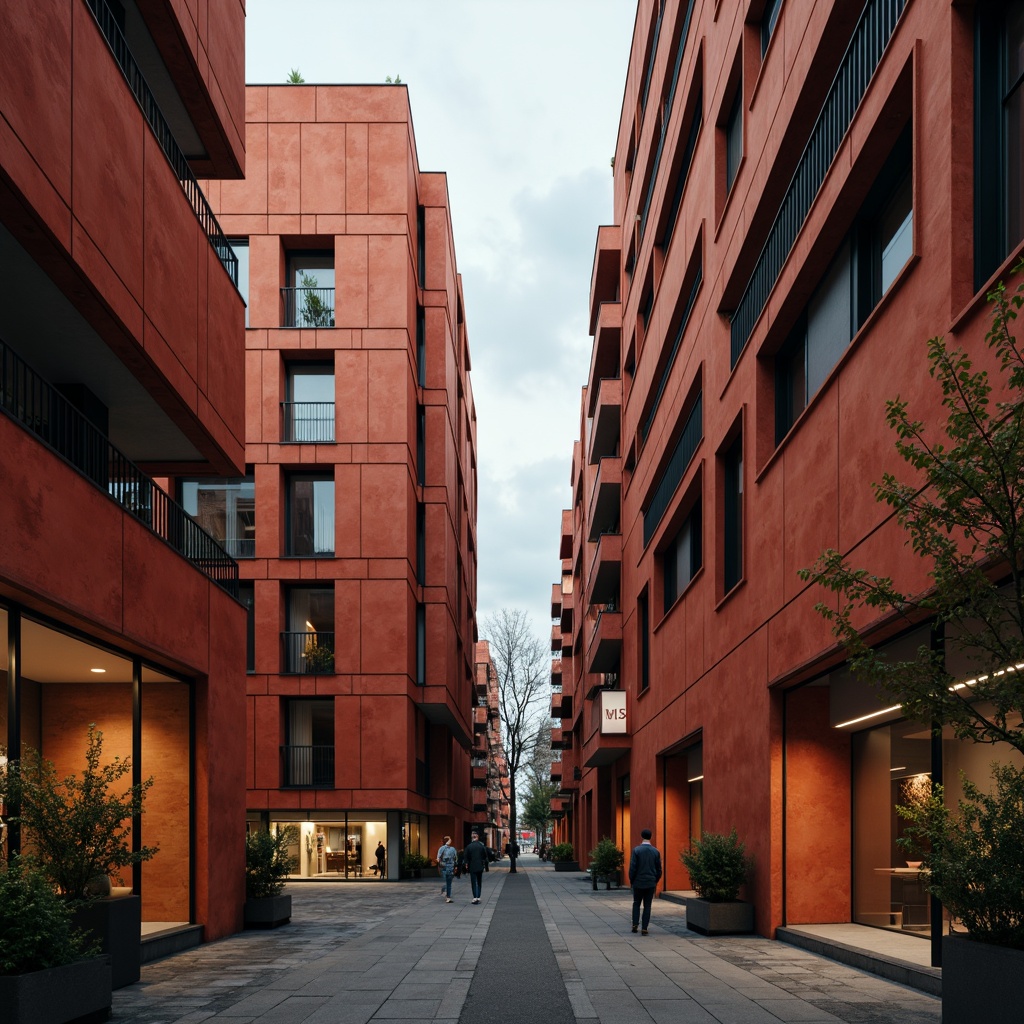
[490, 783]
[804, 193]
[120, 352]
[355, 521]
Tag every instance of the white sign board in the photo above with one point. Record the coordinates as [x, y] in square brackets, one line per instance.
[613, 712]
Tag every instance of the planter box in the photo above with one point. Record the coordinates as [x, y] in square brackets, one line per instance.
[567, 865]
[268, 912]
[117, 925]
[610, 879]
[735, 918]
[980, 982]
[78, 992]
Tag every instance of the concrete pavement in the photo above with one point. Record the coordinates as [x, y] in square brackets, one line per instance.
[541, 946]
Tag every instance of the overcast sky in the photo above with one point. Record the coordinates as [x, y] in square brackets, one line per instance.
[518, 102]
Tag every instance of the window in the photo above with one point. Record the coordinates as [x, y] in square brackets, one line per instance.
[309, 297]
[998, 134]
[421, 543]
[421, 645]
[868, 261]
[421, 446]
[421, 346]
[732, 515]
[769, 17]
[308, 412]
[682, 558]
[309, 637]
[310, 516]
[240, 247]
[247, 596]
[226, 510]
[309, 753]
[681, 172]
[644, 616]
[733, 140]
[421, 245]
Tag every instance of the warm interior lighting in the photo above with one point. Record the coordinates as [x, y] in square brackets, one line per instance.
[865, 718]
[98, 671]
[696, 778]
[902, 768]
[310, 628]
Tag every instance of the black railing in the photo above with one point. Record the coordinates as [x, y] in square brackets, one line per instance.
[870, 38]
[308, 653]
[307, 766]
[670, 479]
[179, 164]
[307, 422]
[46, 413]
[308, 307]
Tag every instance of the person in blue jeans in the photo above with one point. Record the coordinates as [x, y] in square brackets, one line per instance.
[474, 860]
[644, 873]
[446, 858]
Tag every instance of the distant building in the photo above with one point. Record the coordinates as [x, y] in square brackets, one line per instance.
[490, 782]
[355, 522]
[804, 193]
[121, 332]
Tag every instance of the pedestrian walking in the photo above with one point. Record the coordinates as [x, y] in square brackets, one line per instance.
[447, 856]
[644, 873]
[380, 853]
[474, 860]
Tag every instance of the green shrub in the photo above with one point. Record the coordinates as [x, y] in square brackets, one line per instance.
[974, 858]
[562, 852]
[605, 858]
[415, 860]
[718, 866]
[268, 862]
[35, 923]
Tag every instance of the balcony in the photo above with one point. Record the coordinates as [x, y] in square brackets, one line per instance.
[606, 410]
[605, 501]
[308, 307]
[556, 672]
[479, 799]
[606, 355]
[480, 719]
[556, 771]
[41, 410]
[556, 738]
[565, 547]
[556, 638]
[556, 600]
[604, 278]
[307, 422]
[605, 570]
[307, 767]
[307, 653]
[567, 609]
[479, 774]
[605, 648]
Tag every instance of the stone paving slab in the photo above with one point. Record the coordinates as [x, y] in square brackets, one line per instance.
[358, 953]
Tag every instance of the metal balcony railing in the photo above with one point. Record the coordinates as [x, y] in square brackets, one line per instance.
[308, 653]
[306, 766]
[45, 412]
[308, 307]
[307, 422]
[870, 38]
[684, 451]
[179, 164]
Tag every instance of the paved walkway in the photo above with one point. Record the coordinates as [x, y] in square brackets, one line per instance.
[364, 952]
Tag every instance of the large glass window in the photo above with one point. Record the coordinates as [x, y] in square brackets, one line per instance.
[309, 637]
[310, 515]
[226, 510]
[308, 754]
[240, 247]
[309, 296]
[308, 410]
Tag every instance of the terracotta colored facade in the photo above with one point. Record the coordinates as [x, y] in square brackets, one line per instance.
[121, 337]
[779, 255]
[490, 783]
[357, 520]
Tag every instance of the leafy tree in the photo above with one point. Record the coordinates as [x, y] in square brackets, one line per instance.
[294, 77]
[538, 766]
[523, 669]
[963, 513]
[537, 807]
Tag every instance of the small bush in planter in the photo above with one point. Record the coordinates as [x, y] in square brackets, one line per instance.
[562, 852]
[606, 861]
[974, 858]
[268, 862]
[415, 861]
[718, 866]
[36, 931]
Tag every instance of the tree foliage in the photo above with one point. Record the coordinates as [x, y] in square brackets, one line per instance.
[963, 513]
[524, 674]
[268, 862]
[537, 806]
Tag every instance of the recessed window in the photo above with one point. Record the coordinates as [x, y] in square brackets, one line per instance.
[309, 638]
[769, 17]
[309, 753]
[309, 296]
[310, 515]
[732, 515]
[308, 411]
[682, 557]
[240, 247]
[733, 140]
[225, 509]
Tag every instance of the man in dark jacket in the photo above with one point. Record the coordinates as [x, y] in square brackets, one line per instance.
[644, 873]
[474, 860]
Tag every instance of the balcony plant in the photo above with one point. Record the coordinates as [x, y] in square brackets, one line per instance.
[606, 861]
[564, 858]
[314, 312]
[318, 657]
[268, 863]
[718, 865]
[78, 832]
[49, 970]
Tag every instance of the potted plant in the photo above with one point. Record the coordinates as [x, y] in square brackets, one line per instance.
[563, 858]
[319, 658]
[606, 861]
[718, 866]
[973, 861]
[78, 831]
[268, 863]
[414, 863]
[50, 973]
